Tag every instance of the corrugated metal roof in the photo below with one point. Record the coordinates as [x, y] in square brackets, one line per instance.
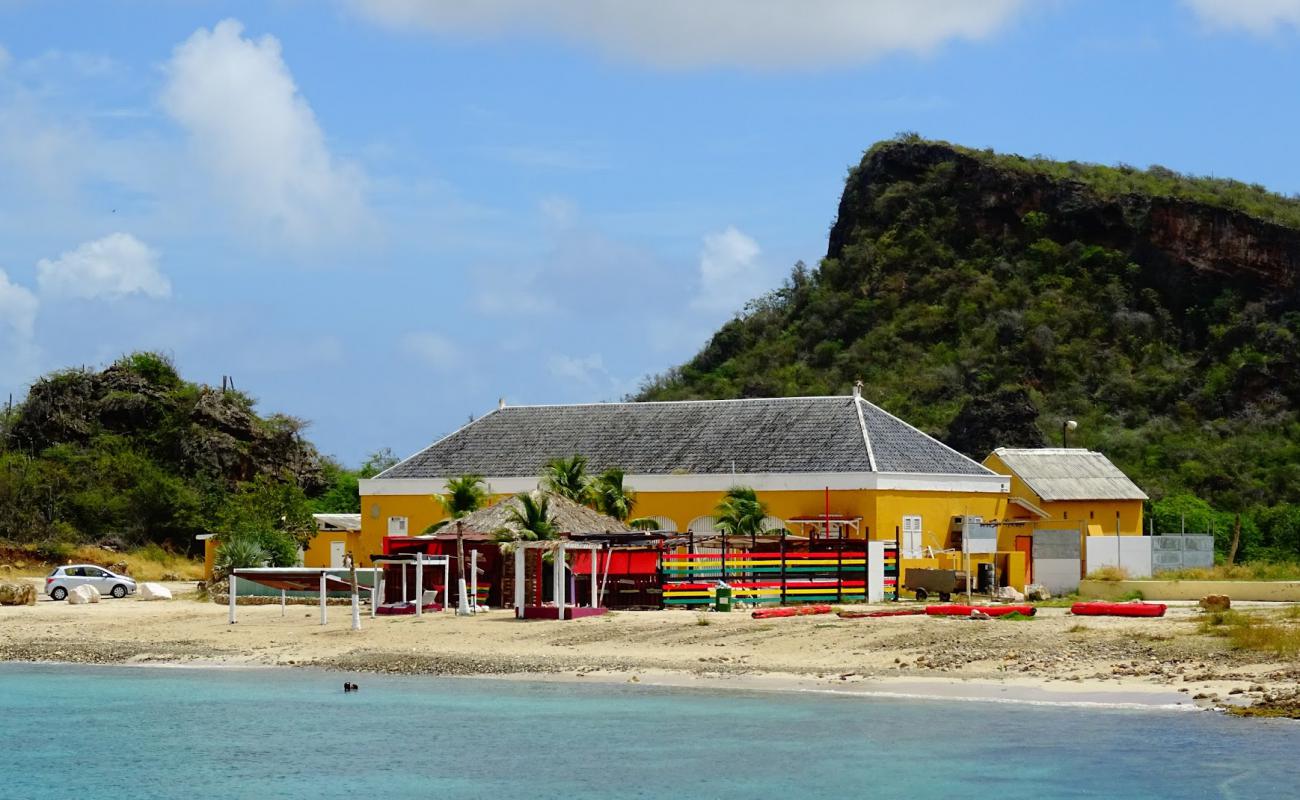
[766, 435]
[1069, 474]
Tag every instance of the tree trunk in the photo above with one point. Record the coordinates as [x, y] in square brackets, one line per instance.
[1236, 541]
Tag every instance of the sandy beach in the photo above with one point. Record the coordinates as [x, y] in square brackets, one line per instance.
[1053, 658]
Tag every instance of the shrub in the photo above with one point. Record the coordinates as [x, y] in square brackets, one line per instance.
[1108, 573]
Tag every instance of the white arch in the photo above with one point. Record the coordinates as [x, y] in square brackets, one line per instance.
[773, 524]
[664, 523]
[705, 524]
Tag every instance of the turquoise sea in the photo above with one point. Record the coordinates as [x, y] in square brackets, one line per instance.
[108, 732]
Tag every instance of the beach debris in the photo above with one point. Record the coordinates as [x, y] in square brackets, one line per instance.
[83, 594]
[1010, 593]
[1216, 602]
[793, 611]
[1037, 591]
[17, 594]
[154, 591]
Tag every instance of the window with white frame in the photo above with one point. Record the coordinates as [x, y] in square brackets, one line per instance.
[911, 544]
[397, 526]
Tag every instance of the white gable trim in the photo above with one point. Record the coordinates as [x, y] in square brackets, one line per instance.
[762, 482]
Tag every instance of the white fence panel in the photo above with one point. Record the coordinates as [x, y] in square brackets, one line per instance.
[1130, 553]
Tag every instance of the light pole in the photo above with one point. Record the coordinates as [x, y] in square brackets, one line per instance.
[1066, 427]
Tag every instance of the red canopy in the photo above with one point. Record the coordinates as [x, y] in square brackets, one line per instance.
[621, 561]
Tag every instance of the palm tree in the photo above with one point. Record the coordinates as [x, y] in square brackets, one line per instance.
[611, 496]
[740, 512]
[532, 519]
[644, 524]
[465, 494]
[567, 477]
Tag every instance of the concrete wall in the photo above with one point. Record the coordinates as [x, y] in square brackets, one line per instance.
[1132, 553]
[1276, 591]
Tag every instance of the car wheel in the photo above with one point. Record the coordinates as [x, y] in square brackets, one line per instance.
[944, 597]
[59, 593]
[921, 594]
[119, 591]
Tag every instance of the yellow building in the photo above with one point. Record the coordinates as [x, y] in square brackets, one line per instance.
[336, 536]
[1071, 488]
[811, 459]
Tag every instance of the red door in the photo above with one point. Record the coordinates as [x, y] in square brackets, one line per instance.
[1025, 544]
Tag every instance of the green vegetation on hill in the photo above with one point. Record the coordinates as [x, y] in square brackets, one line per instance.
[988, 298]
[133, 456]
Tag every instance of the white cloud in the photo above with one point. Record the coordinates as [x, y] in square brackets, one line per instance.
[731, 273]
[115, 266]
[5, 58]
[1256, 16]
[587, 370]
[692, 33]
[18, 308]
[434, 349]
[256, 135]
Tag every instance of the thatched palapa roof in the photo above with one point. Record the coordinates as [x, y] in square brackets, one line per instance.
[566, 515]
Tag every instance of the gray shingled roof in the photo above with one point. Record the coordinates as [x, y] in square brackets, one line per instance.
[768, 435]
[1074, 474]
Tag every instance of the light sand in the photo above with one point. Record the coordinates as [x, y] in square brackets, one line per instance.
[1052, 658]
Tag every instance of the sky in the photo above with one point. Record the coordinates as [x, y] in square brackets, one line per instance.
[382, 216]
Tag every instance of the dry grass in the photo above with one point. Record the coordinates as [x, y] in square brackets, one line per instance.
[1254, 632]
[1110, 573]
[1251, 571]
[149, 563]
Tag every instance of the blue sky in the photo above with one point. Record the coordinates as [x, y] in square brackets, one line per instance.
[382, 215]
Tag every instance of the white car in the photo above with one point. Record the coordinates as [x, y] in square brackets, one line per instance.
[58, 582]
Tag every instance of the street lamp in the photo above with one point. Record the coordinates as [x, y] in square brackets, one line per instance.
[1066, 427]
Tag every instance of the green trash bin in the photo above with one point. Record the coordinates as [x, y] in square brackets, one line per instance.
[722, 597]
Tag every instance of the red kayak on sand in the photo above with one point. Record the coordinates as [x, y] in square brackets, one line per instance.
[902, 612]
[795, 611]
[992, 611]
[1134, 609]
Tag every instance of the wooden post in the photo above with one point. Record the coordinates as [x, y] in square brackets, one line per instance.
[234, 590]
[282, 603]
[521, 588]
[462, 602]
[839, 571]
[783, 567]
[1236, 541]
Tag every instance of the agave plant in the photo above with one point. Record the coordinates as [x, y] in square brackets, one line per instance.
[465, 494]
[567, 477]
[740, 513]
[238, 552]
[611, 497]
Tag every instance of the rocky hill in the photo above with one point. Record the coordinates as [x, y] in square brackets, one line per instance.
[136, 454]
[988, 298]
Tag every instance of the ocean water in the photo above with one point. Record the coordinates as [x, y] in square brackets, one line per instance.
[106, 732]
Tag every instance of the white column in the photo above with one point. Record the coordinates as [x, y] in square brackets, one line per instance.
[875, 571]
[376, 583]
[406, 595]
[282, 603]
[595, 574]
[356, 607]
[419, 584]
[473, 580]
[323, 618]
[519, 581]
[234, 589]
[446, 576]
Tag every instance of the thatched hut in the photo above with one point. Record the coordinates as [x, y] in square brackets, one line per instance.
[489, 530]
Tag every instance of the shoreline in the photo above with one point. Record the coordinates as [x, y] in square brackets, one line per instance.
[955, 689]
[1051, 659]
